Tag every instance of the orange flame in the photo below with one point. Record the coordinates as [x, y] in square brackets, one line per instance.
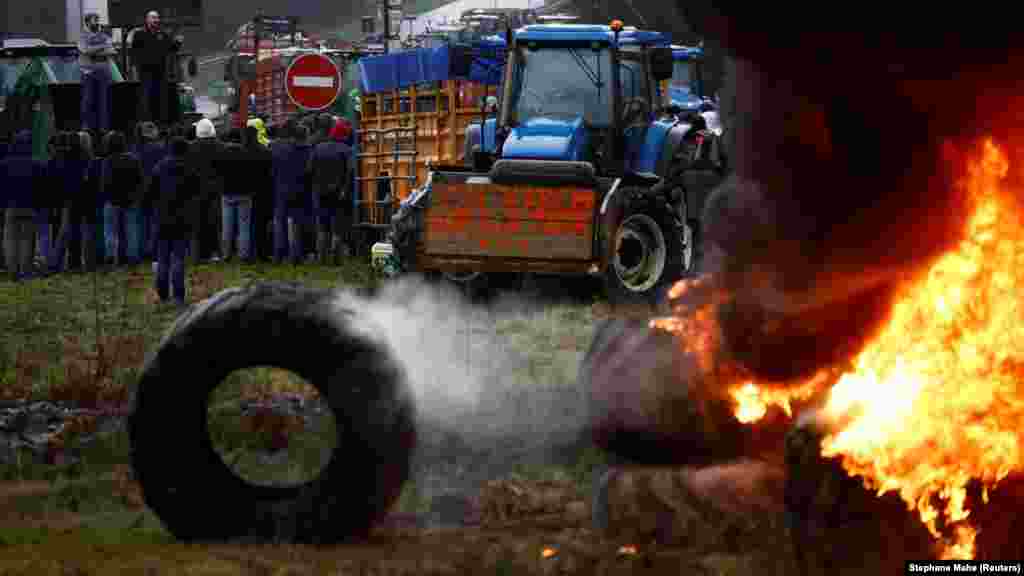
[752, 402]
[935, 399]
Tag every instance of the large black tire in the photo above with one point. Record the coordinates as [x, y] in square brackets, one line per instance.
[648, 252]
[303, 330]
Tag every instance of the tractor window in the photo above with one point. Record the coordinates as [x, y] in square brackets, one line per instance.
[682, 76]
[564, 81]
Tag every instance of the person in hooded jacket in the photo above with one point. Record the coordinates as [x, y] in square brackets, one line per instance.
[257, 180]
[174, 187]
[331, 172]
[123, 183]
[291, 194]
[68, 173]
[206, 158]
[150, 149]
[23, 181]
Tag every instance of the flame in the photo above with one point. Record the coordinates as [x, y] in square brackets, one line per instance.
[548, 552]
[627, 550]
[935, 399]
[752, 401]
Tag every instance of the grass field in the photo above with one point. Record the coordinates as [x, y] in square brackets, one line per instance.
[82, 339]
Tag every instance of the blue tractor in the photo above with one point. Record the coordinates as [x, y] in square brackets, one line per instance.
[583, 171]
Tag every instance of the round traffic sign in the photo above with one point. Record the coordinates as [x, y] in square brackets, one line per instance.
[312, 81]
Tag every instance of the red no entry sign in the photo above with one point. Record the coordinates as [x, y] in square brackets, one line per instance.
[312, 81]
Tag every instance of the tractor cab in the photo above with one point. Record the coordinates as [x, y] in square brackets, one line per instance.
[574, 93]
[686, 88]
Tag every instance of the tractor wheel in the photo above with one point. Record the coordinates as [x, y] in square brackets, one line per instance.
[649, 255]
[187, 484]
[474, 284]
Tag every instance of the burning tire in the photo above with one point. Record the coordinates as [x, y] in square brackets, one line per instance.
[642, 409]
[648, 254]
[290, 327]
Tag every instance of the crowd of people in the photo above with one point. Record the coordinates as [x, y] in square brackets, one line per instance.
[181, 195]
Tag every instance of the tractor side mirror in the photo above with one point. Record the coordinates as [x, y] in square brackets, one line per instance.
[661, 63]
[460, 60]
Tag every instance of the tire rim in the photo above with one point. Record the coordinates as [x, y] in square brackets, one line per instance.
[640, 253]
[462, 277]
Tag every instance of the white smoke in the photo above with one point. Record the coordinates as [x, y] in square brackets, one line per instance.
[480, 371]
[495, 387]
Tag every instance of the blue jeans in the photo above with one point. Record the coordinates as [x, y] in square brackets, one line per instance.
[42, 220]
[125, 227]
[280, 230]
[236, 224]
[171, 262]
[298, 220]
[148, 239]
[96, 98]
[108, 231]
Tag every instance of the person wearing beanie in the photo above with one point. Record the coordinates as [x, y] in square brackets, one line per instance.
[206, 160]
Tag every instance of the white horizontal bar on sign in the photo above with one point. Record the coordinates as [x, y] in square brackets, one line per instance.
[313, 82]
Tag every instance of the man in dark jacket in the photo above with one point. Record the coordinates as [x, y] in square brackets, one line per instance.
[151, 49]
[68, 172]
[174, 187]
[23, 183]
[150, 149]
[256, 179]
[330, 170]
[236, 203]
[123, 182]
[291, 195]
[206, 157]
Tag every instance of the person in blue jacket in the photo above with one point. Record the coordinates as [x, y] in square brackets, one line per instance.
[291, 194]
[23, 183]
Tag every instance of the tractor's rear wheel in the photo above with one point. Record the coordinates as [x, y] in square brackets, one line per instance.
[649, 255]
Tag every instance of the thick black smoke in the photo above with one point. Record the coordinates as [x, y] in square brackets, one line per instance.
[844, 185]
